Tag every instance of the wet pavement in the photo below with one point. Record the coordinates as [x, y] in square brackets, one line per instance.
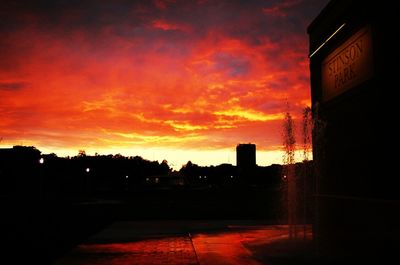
[178, 242]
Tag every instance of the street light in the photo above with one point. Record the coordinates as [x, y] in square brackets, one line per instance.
[87, 180]
[41, 162]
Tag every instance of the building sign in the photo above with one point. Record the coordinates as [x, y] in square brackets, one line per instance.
[348, 65]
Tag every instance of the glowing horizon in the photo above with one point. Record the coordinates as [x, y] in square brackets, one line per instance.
[189, 79]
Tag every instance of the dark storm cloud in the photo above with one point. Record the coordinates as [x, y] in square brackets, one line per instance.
[73, 15]
[279, 83]
[238, 18]
[12, 85]
[233, 65]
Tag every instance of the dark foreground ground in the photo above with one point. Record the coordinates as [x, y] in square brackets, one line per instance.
[40, 232]
[203, 226]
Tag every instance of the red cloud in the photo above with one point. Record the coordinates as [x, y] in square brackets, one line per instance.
[164, 25]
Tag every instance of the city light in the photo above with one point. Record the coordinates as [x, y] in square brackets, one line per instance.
[87, 170]
[41, 160]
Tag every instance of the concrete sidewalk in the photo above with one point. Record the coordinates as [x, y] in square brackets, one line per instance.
[183, 242]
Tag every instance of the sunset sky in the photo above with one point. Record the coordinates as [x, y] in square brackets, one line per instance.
[163, 79]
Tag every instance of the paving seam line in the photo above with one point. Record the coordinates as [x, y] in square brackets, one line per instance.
[194, 249]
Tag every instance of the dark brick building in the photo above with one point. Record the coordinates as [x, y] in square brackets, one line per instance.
[353, 51]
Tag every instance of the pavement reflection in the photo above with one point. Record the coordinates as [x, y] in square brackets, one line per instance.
[217, 243]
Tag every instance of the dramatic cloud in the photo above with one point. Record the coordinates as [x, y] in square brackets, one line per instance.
[133, 76]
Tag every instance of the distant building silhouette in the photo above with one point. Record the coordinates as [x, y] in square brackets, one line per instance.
[246, 156]
[246, 161]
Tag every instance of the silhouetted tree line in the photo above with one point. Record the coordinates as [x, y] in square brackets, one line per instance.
[228, 175]
[24, 171]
